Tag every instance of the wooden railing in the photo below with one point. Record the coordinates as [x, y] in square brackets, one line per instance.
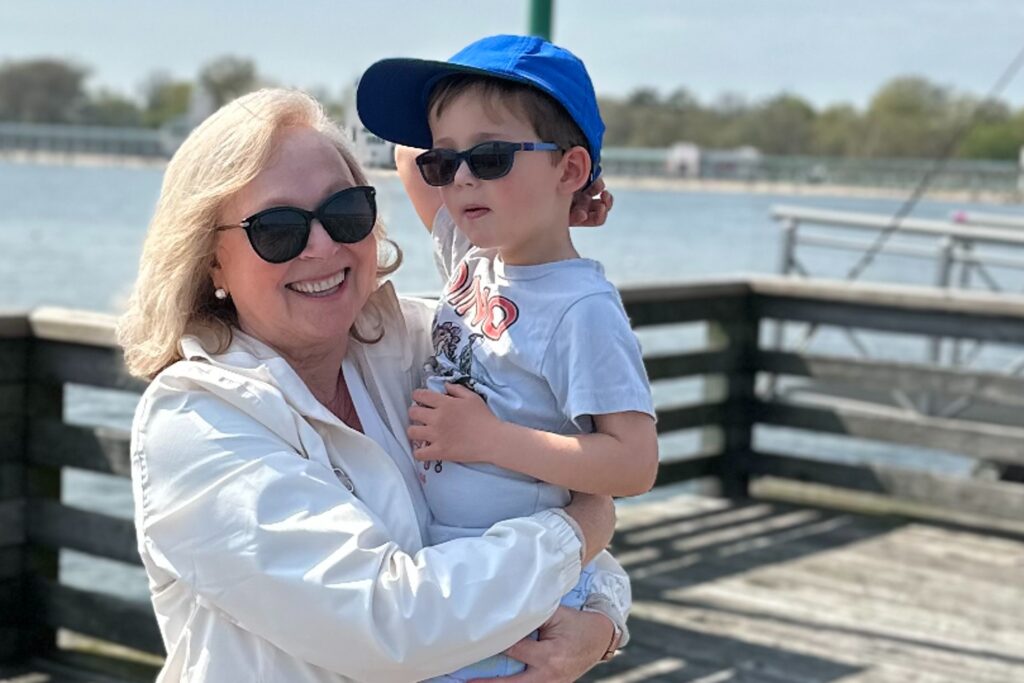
[43, 352]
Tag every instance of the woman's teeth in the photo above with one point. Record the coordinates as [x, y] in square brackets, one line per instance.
[319, 287]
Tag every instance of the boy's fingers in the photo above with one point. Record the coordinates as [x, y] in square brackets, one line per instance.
[459, 391]
[425, 397]
[421, 414]
[418, 433]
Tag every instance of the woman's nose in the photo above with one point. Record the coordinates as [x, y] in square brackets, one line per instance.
[319, 243]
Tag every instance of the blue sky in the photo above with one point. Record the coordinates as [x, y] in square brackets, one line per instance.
[826, 50]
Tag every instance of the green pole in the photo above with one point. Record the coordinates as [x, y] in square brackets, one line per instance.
[540, 18]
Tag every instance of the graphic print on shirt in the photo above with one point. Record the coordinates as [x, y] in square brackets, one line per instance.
[483, 317]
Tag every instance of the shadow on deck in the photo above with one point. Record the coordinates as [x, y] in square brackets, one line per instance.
[762, 591]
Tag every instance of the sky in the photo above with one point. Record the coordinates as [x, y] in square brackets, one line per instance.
[828, 51]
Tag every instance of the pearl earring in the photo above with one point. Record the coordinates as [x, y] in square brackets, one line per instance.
[220, 293]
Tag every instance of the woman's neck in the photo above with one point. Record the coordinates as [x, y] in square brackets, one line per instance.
[319, 370]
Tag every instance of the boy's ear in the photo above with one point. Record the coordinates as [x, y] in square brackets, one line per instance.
[575, 170]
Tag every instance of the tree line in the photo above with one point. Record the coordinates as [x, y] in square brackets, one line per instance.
[907, 116]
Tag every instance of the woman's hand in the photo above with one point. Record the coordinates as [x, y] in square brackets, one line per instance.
[590, 206]
[596, 517]
[569, 644]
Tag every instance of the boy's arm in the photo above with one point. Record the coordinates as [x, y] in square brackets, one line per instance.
[425, 198]
[619, 459]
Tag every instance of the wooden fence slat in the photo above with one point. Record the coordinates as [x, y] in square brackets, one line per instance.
[12, 522]
[986, 386]
[679, 365]
[126, 622]
[53, 525]
[994, 499]
[689, 468]
[59, 362]
[14, 360]
[983, 441]
[100, 449]
[690, 416]
[911, 320]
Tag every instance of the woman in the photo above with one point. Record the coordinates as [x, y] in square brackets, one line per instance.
[277, 508]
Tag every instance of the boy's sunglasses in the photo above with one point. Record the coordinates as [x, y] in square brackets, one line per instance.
[487, 161]
[280, 233]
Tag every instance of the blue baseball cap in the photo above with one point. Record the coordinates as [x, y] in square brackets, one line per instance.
[392, 95]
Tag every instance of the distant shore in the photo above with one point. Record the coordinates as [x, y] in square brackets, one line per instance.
[654, 184]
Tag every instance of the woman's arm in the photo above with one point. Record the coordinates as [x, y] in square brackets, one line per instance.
[278, 546]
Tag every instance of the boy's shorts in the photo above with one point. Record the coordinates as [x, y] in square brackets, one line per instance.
[502, 665]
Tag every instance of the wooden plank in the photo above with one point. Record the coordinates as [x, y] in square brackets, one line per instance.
[957, 493]
[987, 442]
[690, 416]
[14, 325]
[12, 564]
[125, 622]
[100, 449]
[12, 437]
[12, 399]
[53, 525]
[996, 388]
[13, 359]
[12, 522]
[74, 326]
[740, 336]
[686, 469]
[59, 362]
[678, 365]
[12, 480]
[693, 302]
[909, 310]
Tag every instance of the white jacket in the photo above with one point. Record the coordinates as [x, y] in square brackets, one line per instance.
[263, 566]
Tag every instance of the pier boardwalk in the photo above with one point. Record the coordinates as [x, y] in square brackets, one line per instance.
[806, 568]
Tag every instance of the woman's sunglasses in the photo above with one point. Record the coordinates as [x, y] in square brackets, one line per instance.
[280, 233]
[487, 161]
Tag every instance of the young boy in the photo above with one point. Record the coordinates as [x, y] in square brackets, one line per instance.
[537, 386]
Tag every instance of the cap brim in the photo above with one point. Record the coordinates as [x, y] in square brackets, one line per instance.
[392, 95]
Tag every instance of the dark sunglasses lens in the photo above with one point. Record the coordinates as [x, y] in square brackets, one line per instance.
[279, 235]
[349, 216]
[490, 160]
[438, 166]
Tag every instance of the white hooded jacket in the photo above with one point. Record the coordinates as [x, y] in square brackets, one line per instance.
[283, 546]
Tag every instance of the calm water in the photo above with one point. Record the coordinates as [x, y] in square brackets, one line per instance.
[72, 236]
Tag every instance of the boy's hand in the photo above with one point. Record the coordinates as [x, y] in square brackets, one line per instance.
[452, 426]
[590, 206]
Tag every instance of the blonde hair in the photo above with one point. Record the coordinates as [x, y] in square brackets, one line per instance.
[174, 293]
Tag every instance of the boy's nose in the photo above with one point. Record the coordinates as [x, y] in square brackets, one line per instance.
[463, 176]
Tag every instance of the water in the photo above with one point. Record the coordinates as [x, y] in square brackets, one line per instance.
[71, 236]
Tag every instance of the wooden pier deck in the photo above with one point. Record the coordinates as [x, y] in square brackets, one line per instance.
[758, 591]
[803, 570]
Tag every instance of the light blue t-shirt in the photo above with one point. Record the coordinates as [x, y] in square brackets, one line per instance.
[547, 346]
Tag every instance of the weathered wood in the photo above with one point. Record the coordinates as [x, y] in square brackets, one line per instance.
[99, 449]
[74, 326]
[60, 362]
[988, 498]
[988, 442]
[909, 310]
[12, 522]
[121, 621]
[739, 336]
[14, 359]
[678, 365]
[686, 469]
[994, 232]
[56, 526]
[690, 416]
[14, 325]
[692, 303]
[996, 388]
